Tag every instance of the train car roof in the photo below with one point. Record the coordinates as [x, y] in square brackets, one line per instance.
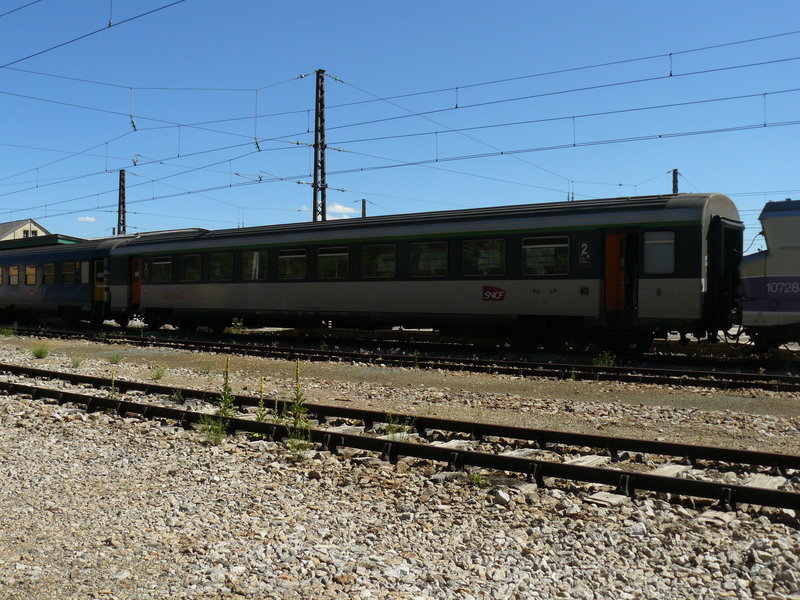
[697, 202]
[40, 240]
[55, 247]
[781, 206]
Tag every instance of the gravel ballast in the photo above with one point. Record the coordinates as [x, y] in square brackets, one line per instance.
[97, 506]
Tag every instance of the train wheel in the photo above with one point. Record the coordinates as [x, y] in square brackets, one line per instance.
[219, 326]
[154, 322]
[187, 325]
[643, 342]
[762, 343]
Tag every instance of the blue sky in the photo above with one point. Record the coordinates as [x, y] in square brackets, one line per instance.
[430, 106]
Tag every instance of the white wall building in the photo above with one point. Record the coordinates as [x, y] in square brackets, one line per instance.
[17, 230]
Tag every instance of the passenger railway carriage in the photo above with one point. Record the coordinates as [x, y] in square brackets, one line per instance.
[55, 276]
[618, 271]
[770, 301]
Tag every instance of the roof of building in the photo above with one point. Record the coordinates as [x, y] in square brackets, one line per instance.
[6, 228]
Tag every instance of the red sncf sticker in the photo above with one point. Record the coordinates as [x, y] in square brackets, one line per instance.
[493, 294]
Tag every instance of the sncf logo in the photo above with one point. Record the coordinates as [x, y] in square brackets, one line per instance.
[493, 294]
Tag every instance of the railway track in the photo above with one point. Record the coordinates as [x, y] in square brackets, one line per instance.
[679, 376]
[529, 456]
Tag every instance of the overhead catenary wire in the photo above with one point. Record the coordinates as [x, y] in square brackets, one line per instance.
[483, 142]
[13, 10]
[425, 92]
[256, 116]
[426, 162]
[584, 144]
[163, 160]
[530, 121]
[91, 33]
[683, 177]
[568, 117]
[129, 114]
[567, 91]
[199, 125]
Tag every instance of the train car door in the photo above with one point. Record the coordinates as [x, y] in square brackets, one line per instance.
[99, 283]
[615, 272]
[136, 281]
[620, 272]
[724, 253]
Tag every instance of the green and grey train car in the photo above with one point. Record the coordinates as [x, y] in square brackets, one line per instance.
[618, 271]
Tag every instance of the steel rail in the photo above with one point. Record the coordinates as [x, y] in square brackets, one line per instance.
[717, 379]
[624, 482]
[629, 374]
[542, 437]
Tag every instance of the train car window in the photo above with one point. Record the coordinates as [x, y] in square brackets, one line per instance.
[333, 263]
[221, 266]
[427, 259]
[188, 267]
[49, 272]
[13, 275]
[378, 261]
[659, 252]
[162, 269]
[2, 275]
[291, 264]
[68, 273]
[545, 255]
[480, 258]
[30, 274]
[254, 265]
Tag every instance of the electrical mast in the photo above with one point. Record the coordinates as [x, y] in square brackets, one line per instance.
[319, 186]
[674, 181]
[121, 205]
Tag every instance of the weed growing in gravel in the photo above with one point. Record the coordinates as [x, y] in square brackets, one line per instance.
[261, 412]
[605, 359]
[41, 352]
[398, 428]
[76, 361]
[213, 429]
[158, 372]
[236, 327]
[177, 397]
[115, 358]
[295, 418]
[8, 331]
[227, 401]
[112, 393]
[205, 368]
[478, 480]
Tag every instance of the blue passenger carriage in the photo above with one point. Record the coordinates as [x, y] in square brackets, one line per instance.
[55, 276]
